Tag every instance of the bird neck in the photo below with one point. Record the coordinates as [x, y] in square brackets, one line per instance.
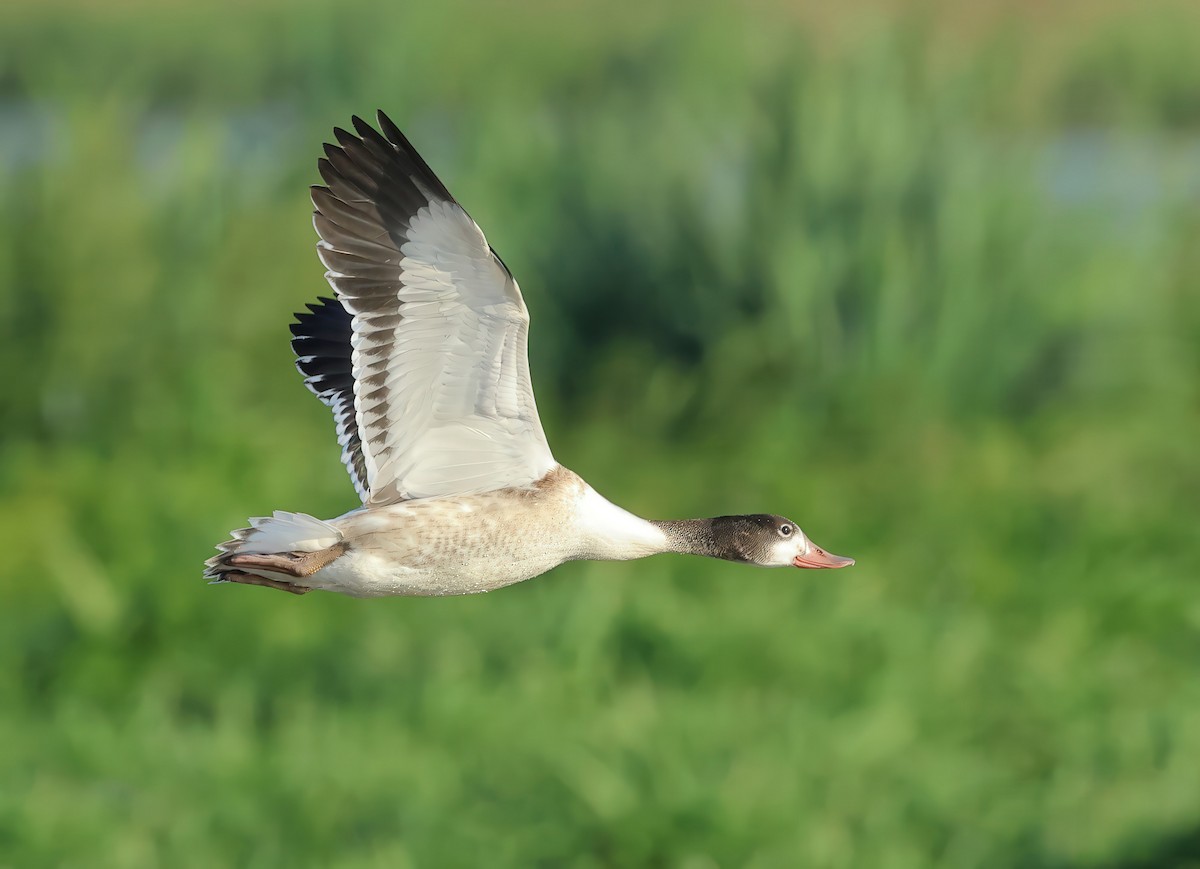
[610, 533]
[690, 536]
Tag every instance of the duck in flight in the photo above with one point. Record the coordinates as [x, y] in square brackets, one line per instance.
[422, 359]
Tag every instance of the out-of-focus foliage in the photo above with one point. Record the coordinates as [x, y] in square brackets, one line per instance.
[925, 278]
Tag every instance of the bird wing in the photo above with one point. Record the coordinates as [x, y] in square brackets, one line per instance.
[321, 340]
[438, 331]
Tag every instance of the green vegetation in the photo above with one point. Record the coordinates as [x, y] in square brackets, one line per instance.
[926, 281]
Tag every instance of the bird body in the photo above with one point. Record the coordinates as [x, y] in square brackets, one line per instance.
[422, 357]
[465, 544]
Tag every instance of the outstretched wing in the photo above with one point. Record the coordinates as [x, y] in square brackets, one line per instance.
[439, 365]
[321, 341]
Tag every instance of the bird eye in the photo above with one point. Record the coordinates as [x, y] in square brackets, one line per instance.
[785, 530]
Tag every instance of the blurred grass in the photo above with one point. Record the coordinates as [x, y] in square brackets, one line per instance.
[922, 277]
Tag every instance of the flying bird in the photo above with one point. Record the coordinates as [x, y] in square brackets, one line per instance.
[422, 357]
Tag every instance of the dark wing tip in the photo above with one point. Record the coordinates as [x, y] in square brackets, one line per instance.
[324, 356]
[397, 147]
[366, 132]
[373, 142]
[373, 187]
[328, 174]
[316, 307]
[390, 129]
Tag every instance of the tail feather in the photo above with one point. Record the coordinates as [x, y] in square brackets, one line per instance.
[280, 532]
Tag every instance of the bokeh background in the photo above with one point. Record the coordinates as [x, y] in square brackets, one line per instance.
[923, 277]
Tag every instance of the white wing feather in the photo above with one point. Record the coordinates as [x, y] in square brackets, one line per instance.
[442, 396]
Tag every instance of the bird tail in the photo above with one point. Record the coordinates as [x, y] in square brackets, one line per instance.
[281, 532]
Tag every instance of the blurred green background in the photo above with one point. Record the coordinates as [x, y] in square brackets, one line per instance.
[923, 277]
